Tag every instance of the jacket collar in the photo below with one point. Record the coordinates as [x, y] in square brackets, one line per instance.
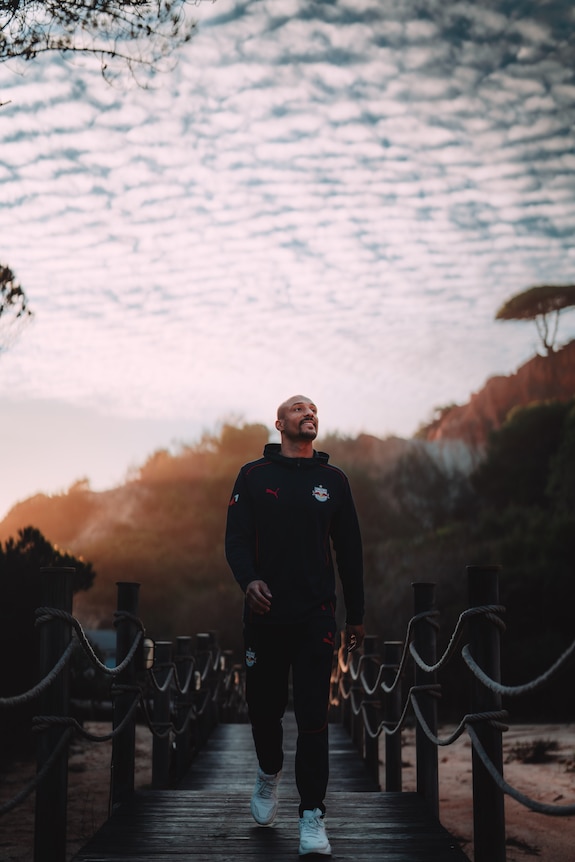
[273, 452]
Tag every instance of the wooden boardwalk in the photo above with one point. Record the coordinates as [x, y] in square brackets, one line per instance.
[208, 818]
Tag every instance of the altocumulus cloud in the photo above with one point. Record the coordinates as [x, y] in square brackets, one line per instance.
[334, 195]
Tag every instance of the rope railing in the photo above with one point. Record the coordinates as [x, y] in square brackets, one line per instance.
[526, 801]
[45, 682]
[39, 777]
[179, 699]
[518, 690]
[409, 649]
[186, 691]
[367, 690]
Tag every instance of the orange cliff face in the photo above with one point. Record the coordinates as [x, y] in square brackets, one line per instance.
[542, 378]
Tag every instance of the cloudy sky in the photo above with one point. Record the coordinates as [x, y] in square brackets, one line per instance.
[325, 197]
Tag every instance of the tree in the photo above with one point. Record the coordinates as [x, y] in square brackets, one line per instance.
[139, 32]
[20, 594]
[14, 311]
[519, 455]
[543, 304]
[561, 484]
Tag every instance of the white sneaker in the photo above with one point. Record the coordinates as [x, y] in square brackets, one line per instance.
[312, 834]
[264, 804]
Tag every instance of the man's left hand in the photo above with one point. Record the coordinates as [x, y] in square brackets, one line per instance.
[354, 636]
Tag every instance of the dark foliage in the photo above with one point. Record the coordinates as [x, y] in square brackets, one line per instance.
[420, 522]
[561, 485]
[516, 470]
[14, 310]
[138, 32]
[20, 594]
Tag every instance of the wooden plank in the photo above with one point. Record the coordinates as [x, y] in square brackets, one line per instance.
[175, 825]
[229, 760]
[207, 819]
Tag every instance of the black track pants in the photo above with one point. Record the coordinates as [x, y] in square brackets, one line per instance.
[306, 648]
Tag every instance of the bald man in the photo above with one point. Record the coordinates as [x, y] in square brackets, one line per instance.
[284, 510]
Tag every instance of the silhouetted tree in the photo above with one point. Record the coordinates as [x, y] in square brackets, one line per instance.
[20, 595]
[31, 551]
[543, 304]
[14, 311]
[138, 32]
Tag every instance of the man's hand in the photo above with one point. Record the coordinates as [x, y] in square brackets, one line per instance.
[258, 597]
[354, 636]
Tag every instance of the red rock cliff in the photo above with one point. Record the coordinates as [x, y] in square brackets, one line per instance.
[542, 378]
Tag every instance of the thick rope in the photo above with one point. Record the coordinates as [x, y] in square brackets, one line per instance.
[493, 717]
[44, 683]
[43, 722]
[171, 675]
[39, 777]
[533, 804]
[515, 690]
[183, 688]
[165, 729]
[347, 666]
[46, 614]
[489, 611]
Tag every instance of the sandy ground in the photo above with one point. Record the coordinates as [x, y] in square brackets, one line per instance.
[530, 836]
[88, 793]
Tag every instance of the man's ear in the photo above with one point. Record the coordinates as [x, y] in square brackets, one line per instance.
[279, 424]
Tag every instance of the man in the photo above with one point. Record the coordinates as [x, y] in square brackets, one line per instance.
[284, 509]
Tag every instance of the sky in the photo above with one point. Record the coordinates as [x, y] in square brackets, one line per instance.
[325, 198]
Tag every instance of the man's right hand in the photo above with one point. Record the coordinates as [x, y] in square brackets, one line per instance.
[258, 597]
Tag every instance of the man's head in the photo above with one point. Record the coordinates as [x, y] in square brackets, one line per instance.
[297, 419]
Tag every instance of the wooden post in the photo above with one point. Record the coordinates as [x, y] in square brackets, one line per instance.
[124, 743]
[335, 707]
[227, 701]
[183, 660]
[161, 745]
[206, 646]
[425, 642]
[488, 799]
[392, 651]
[346, 711]
[373, 704]
[355, 721]
[52, 793]
[357, 729]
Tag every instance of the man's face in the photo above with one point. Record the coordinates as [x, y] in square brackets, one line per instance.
[298, 420]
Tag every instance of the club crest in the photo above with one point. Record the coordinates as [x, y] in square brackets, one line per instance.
[320, 493]
[250, 658]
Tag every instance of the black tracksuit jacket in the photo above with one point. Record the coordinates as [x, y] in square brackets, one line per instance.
[281, 517]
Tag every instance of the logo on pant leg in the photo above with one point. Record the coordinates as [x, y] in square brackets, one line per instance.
[250, 658]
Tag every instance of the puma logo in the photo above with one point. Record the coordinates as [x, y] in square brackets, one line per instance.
[273, 493]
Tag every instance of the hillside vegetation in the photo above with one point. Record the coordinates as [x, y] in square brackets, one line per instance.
[427, 510]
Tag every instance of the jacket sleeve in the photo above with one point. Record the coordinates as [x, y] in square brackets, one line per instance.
[240, 543]
[346, 538]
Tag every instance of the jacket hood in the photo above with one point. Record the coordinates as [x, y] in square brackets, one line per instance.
[273, 452]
